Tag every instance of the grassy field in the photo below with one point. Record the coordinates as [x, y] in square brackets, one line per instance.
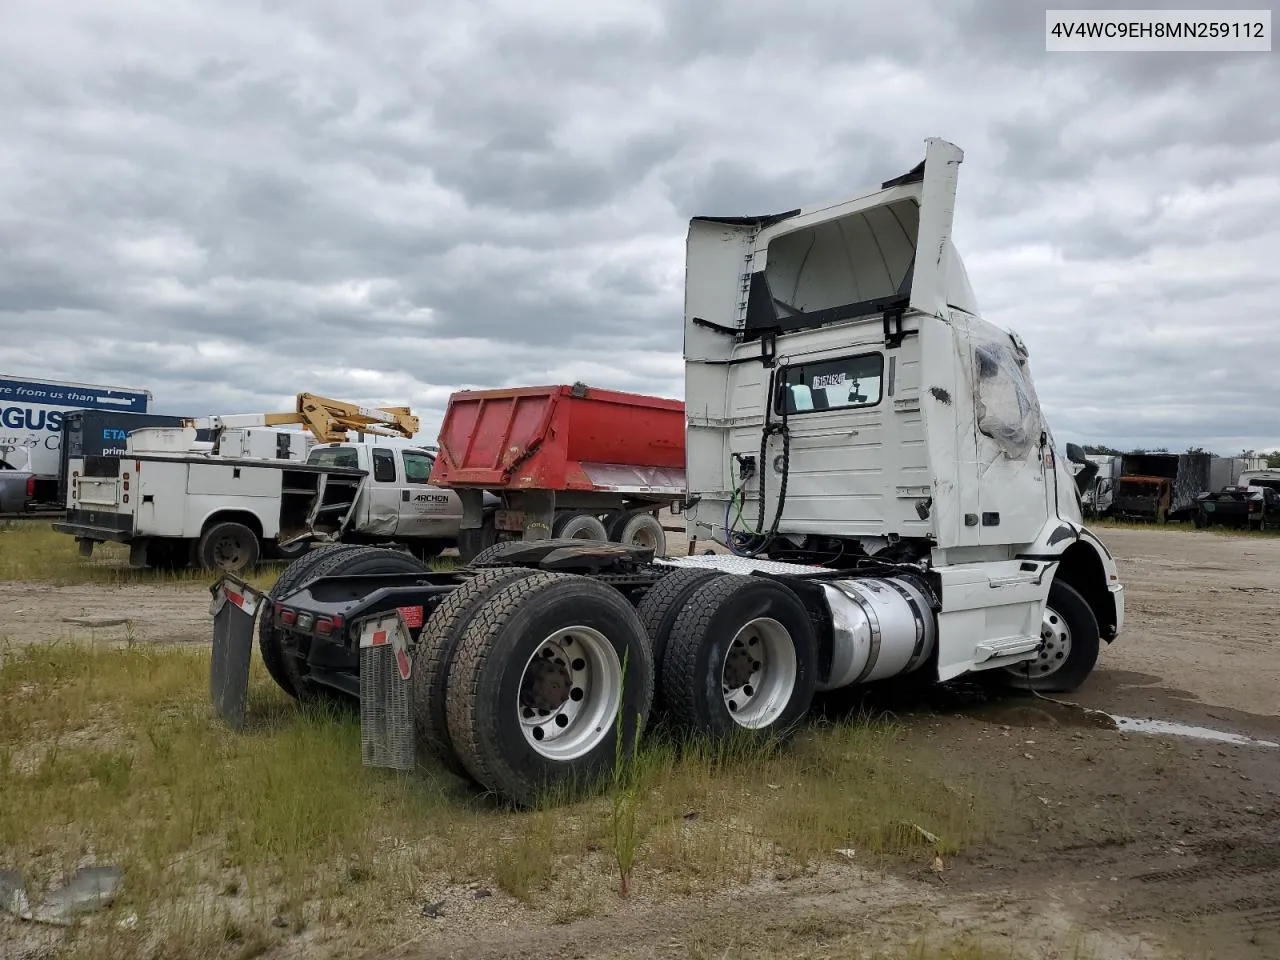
[32, 550]
[240, 845]
[230, 842]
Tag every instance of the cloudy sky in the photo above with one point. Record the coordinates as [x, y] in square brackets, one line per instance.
[228, 202]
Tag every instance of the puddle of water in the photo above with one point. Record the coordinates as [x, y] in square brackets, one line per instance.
[1173, 729]
[1040, 713]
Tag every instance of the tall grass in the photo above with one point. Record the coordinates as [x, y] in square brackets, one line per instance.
[113, 756]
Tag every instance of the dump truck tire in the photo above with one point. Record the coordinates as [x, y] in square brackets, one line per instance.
[269, 638]
[579, 526]
[741, 657]
[552, 678]
[658, 610]
[229, 547]
[644, 530]
[1069, 645]
[434, 654]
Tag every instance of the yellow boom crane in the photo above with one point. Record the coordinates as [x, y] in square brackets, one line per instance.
[328, 420]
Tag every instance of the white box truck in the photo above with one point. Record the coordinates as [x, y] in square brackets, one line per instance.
[31, 414]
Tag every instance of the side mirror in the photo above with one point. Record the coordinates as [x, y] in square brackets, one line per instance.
[1075, 453]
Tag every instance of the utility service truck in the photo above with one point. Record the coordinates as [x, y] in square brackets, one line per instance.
[247, 495]
[871, 451]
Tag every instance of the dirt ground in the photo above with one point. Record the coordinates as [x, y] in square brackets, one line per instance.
[1112, 844]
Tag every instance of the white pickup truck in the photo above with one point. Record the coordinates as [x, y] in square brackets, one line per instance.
[397, 502]
[177, 506]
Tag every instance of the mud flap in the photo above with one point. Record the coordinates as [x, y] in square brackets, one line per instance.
[386, 710]
[235, 609]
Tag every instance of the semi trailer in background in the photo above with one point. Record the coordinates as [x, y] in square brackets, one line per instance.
[32, 411]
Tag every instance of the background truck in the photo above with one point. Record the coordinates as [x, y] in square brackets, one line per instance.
[31, 414]
[17, 485]
[239, 500]
[1096, 496]
[871, 450]
[565, 461]
[96, 439]
[1250, 501]
[398, 503]
[175, 507]
[1160, 486]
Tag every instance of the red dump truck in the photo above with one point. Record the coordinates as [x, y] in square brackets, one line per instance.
[566, 461]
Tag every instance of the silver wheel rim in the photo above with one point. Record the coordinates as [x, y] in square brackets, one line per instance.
[758, 675]
[570, 692]
[644, 537]
[1054, 649]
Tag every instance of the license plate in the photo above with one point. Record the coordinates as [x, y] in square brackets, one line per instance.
[412, 616]
[510, 520]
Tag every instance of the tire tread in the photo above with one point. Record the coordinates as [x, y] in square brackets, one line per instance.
[437, 645]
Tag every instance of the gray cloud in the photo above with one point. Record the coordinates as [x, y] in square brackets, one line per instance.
[386, 202]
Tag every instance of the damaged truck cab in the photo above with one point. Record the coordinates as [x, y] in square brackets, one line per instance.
[848, 404]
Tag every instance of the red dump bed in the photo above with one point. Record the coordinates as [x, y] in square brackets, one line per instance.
[562, 438]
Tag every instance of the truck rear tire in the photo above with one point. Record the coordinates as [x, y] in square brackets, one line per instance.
[1069, 643]
[437, 645]
[270, 639]
[228, 546]
[658, 610]
[741, 656]
[579, 526]
[643, 530]
[548, 673]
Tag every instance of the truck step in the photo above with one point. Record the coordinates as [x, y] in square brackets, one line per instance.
[1004, 647]
[334, 508]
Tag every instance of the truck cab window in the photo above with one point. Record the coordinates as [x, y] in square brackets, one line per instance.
[832, 384]
[384, 466]
[345, 457]
[417, 467]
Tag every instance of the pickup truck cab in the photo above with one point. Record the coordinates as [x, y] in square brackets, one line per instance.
[17, 482]
[397, 501]
[1251, 503]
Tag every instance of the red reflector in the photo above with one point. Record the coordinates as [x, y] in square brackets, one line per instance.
[288, 617]
[324, 626]
[412, 616]
[337, 621]
[126, 484]
[31, 486]
[380, 638]
[235, 598]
